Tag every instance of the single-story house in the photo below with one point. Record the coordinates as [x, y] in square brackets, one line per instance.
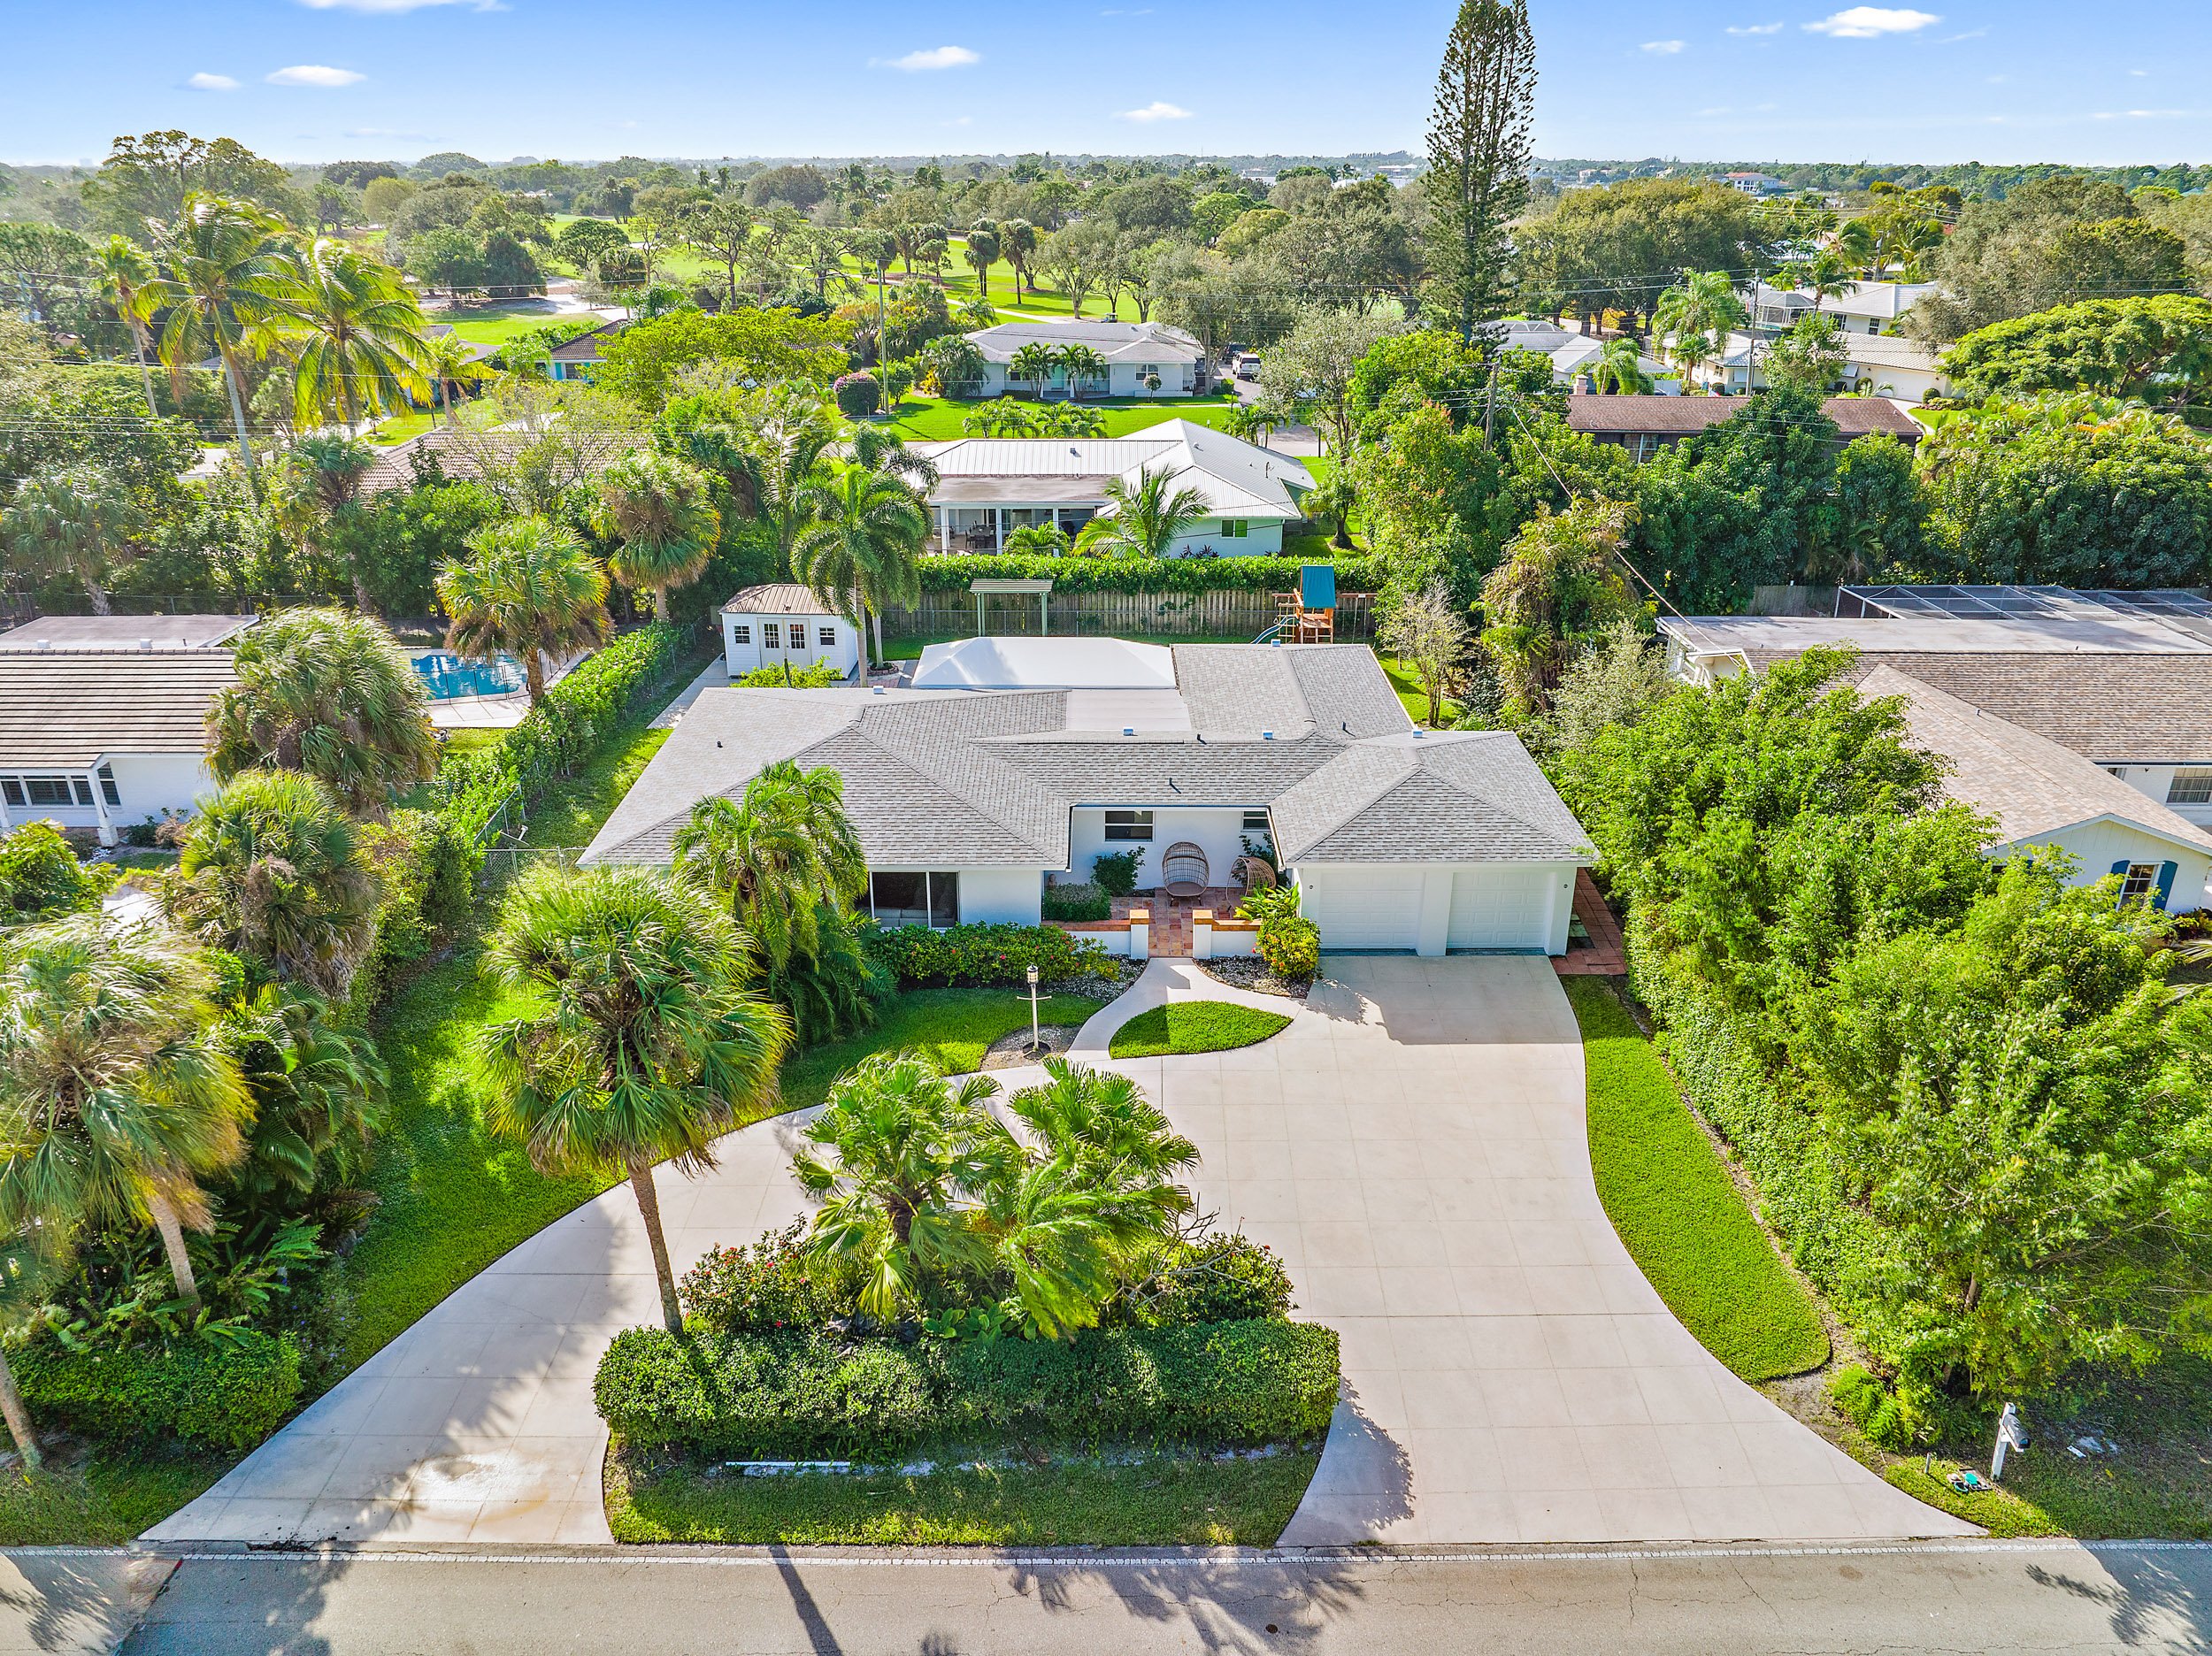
[111, 632]
[1572, 353]
[1645, 425]
[577, 358]
[101, 739]
[1136, 354]
[785, 624]
[1887, 364]
[2042, 793]
[989, 486]
[968, 800]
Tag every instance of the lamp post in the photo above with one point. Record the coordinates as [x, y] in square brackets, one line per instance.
[1035, 1040]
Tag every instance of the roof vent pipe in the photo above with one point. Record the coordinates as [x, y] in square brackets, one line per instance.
[1129, 730]
[876, 689]
[145, 643]
[1267, 735]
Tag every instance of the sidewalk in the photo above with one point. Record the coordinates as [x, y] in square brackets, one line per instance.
[75, 1599]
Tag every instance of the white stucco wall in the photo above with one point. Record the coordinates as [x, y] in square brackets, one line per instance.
[146, 784]
[2156, 782]
[1214, 831]
[2096, 845]
[1262, 538]
[741, 656]
[1000, 895]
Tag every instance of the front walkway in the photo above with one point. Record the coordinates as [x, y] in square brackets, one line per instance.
[1413, 1145]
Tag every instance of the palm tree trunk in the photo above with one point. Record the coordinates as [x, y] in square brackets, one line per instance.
[18, 1418]
[534, 674]
[648, 1204]
[660, 603]
[238, 419]
[98, 594]
[145, 374]
[171, 1228]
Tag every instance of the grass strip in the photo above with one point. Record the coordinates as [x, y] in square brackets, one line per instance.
[1169, 1500]
[952, 1028]
[115, 1493]
[1677, 1210]
[1194, 1026]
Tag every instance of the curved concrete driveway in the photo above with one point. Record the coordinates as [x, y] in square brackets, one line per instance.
[1414, 1145]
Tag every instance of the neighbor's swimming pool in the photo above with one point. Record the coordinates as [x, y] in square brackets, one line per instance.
[448, 675]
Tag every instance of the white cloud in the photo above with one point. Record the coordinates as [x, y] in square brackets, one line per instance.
[934, 58]
[1755, 28]
[1154, 110]
[1866, 22]
[1662, 47]
[204, 83]
[314, 75]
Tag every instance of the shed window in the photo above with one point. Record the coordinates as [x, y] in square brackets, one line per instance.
[827, 637]
[2190, 787]
[2140, 882]
[741, 634]
[1234, 528]
[1128, 825]
[771, 635]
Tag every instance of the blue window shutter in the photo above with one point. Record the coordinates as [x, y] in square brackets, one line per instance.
[2166, 872]
[2121, 868]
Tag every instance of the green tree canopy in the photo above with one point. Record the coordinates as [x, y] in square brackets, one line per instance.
[640, 363]
[2156, 346]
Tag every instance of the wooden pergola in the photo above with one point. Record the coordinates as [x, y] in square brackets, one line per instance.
[983, 588]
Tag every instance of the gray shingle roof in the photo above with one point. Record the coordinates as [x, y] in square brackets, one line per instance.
[1681, 416]
[987, 778]
[2114, 710]
[69, 707]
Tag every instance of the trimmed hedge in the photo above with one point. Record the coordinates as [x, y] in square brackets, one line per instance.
[981, 956]
[953, 572]
[1254, 1381]
[1076, 903]
[228, 1394]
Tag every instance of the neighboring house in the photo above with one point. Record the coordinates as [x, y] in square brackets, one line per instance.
[111, 632]
[1886, 364]
[577, 358]
[989, 486]
[477, 352]
[2121, 680]
[1645, 425]
[1759, 184]
[467, 454]
[2041, 794]
[97, 736]
[785, 624]
[968, 800]
[1869, 308]
[1136, 353]
[1572, 353]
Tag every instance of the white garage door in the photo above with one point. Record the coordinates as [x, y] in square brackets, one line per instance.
[1363, 908]
[1499, 908]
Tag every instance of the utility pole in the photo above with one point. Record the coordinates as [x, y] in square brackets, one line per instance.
[1490, 401]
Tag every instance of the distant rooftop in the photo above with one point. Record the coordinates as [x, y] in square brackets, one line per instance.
[126, 633]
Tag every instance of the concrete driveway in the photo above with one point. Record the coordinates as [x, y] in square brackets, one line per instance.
[1414, 1146]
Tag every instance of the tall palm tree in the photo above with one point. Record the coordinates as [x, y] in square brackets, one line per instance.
[529, 589]
[646, 1045]
[1827, 276]
[1080, 362]
[1700, 312]
[663, 512]
[1017, 245]
[77, 521]
[227, 263]
[322, 472]
[910, 1147]
[26, 1268]
[863, 549]
[353, 331]
[778, 856]
[329, 694]
[980, 254]
[1143, 519]
[126, 283]
[1034, 362]
[272, 870]
[451, 364]
[117, 1094]
[1618, 367]
[1859, 244]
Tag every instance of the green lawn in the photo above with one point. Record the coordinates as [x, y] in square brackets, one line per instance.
[495, 324]
[1407, 685]
[1169, 1500]
[570, 812]
[1194, 1026]
[1677, 1210]
[400, 427]
[951, 1027]
[927, 419]
[115, 1494]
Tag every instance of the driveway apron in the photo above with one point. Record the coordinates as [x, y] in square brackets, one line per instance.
[1413, 1145]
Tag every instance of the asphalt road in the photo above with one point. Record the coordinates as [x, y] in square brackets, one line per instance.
[1944, 1597]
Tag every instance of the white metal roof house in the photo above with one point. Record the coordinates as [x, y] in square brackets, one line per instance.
[2041, 794]
[784, 624]
[1142, 358]
[989, 486]
[1572, 353]
[967, 801]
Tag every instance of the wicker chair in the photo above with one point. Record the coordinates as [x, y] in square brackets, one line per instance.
[1183, 872]
[1253, 874]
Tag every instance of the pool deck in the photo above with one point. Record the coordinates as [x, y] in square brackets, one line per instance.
[503, 711]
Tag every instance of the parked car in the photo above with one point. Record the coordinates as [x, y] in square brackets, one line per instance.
[1247, 366]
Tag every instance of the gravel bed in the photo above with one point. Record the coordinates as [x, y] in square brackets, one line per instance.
[1249, 972]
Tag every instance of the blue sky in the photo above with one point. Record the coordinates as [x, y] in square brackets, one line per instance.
[1942, 79]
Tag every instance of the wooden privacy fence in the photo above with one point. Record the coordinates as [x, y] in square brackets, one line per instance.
[1221, 613]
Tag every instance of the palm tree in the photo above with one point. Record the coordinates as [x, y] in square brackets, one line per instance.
[1142, 520]
[529, 589]
[646, 1045]
[781, 445]
[974, 313]
[980, 254]
[73, 521]
[1858, 244]
[1620, 367]
[331, 695]
[272, 870]
[1034, 362]
[1080, 362]
[322, 473]
[1701, 313]
[228, 265]
[1334, 498]
[863, 548]
[663, 512]
[1018, 245]
[910, 1146]
[117, 1095]
[777, 854]
[1826, 276]
[451, 363]
[127, 277]
[354, 334]
[1038, 539]
[317, 1093]
[25, 1269]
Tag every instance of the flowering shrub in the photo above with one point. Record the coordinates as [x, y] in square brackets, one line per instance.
[767, 1287]
[1291, 946]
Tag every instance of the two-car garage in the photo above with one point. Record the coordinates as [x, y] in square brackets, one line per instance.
[1428, 909]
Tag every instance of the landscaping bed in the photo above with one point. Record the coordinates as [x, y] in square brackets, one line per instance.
[1249, 972]
[1194, 1026]
[952, 1028]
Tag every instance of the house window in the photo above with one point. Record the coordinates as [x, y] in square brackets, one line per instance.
[1128, 825]
[1255, 822]
[2190, 787]
[2141, 882]
[107, 786]
[49, 790]
[12, 790]
[1234, 529]
[741, 634]
[923, 900]
[771, 635]
[827, 637]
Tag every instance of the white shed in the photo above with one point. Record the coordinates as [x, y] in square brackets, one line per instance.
[785, 624]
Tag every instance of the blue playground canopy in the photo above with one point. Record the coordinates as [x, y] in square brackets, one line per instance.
[1317, 586]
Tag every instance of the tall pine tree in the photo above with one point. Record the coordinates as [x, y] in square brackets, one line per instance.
[1479, 155]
